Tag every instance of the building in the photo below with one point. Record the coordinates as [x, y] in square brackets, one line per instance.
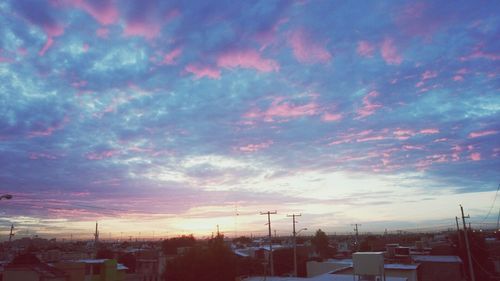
[362, 261]
[322, 277]
[93, 270]
[437, 268]
[28, 267]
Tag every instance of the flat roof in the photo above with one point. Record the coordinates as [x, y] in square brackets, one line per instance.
[92, 260]
[323, 277]
[428, 258]
[401, 266]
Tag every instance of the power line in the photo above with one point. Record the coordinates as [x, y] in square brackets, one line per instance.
[294, 243]
[492, 205]
[471, 269]
[269, 213]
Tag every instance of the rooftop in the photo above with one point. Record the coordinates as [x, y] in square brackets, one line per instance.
[425, 258]
[323, 277]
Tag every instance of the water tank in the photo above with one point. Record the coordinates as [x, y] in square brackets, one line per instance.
[368, 263]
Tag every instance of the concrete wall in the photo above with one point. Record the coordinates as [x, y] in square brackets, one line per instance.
[19, 274]
[315, 268]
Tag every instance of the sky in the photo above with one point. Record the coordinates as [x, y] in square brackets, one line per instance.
[172, 117]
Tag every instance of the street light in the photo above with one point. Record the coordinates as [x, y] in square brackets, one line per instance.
[305, 228]
[295, 249]
[5, 196]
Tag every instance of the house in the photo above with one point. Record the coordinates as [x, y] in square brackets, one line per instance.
[437, 268]
[28, 267]
[93, 270]
[348, 267]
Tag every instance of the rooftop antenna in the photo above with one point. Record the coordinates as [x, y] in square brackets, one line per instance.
[96, 233]
[357, 233]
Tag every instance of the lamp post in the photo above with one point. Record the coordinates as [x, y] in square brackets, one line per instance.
[5, 196]
[295, 249]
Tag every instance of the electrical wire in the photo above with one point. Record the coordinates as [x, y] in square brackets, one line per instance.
[492, 205]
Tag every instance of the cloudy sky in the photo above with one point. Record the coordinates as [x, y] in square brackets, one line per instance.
[171, 117]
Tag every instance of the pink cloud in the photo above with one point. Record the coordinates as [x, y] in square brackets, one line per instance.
[329, 117]
[365, 49]
[478, 54]
[105, 12]
[148, 30]
[307, 50]
[476, 156]
[482, 133]
[413, 147]
[255, 147]
[102, 32]
[172, 56]
[45, 47]
[281, 108]
[286, 109]
[403, 134]
[428, 75]
[48, 130]
[429, 131]
[371, 138]
[51, 31]
[390, 53]
[415, 19]
[458, 78]
[247, 59]
[5, 60]
[368, 106]
[41, 155]
[102, 155]
[202, 71]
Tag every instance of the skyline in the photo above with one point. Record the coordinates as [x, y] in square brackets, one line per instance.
[176, 116]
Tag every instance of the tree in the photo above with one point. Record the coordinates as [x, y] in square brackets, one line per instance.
[321, 243]
[242, 240]
[170, 245]
[213, 261]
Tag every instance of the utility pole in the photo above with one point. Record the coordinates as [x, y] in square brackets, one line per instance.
[498, 220]
[96, 238]
[218, 233]
[458, 234]
[11, 232]
[294, 243]
[471, 269]
[271, 262]
[357, 234]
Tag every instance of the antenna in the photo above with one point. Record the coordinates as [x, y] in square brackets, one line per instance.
[357, 233]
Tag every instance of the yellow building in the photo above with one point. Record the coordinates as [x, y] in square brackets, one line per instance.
[93, 270]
